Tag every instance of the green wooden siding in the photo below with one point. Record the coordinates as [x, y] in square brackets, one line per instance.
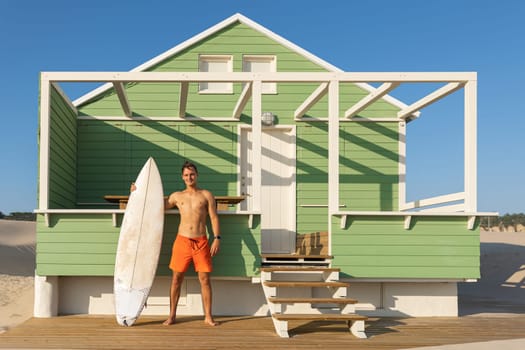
[110, 155]
[86, 244]
[380, 247]
[161, 100]
[312, 177]
[62, 149]
[369, 166]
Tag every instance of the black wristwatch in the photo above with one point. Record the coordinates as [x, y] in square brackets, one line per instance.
[217, 237]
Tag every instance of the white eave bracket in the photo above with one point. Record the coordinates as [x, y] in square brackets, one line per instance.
[311, 100]
[123, 98]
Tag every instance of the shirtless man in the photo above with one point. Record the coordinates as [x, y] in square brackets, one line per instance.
[191, 244]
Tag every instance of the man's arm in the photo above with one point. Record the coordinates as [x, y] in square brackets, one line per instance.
[214, 219]
[170, 202]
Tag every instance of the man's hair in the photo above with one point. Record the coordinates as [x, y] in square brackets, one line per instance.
[188, 165]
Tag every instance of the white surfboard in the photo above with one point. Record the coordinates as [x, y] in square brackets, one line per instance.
[139, 245]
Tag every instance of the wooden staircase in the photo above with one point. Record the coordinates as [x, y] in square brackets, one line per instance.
[304, 289]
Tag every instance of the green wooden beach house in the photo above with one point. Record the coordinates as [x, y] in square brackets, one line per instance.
[311, 161]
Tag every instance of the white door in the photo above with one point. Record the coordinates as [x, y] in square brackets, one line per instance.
[278, 187]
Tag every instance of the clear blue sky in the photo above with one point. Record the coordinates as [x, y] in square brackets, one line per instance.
[484, 36]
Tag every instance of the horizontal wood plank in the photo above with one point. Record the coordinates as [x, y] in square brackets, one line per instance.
[320, 317]
[299, 284]
[95, 332]
[299, 269]
[313, 300]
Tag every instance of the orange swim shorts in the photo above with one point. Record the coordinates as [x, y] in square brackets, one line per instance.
[185, 250]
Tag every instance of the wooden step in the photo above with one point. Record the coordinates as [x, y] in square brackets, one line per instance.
[320, 317]
[299, 269]
[295, 256]
[342, 301]
[305, 284]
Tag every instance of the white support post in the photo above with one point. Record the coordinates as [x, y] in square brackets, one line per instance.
[470, 146]
[357, 328]
[46, 296]
[45, 96]
[256, 143]
[333, 156]
[402, 165]
[333, 147]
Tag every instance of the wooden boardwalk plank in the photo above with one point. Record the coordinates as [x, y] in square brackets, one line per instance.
[298, 284]
[342, 301]
[90, 332]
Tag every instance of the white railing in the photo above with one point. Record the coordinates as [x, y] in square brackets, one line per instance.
[436, 203]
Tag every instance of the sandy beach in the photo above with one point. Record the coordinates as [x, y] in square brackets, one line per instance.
[501, 290]
[17, 266]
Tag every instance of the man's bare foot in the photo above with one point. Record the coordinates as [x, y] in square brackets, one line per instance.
[211, 322]
[169, 322]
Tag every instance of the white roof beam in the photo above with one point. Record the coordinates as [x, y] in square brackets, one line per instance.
[266, 77]
[183, 98]
[429, 99]
[318, 93]
[370, 98]
[121, 93]
[243, 100]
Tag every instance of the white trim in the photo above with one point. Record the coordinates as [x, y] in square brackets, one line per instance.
[333, 146]
[157, 119]
[183, 98]
[446, 208]
[122, 97]
[447, 198]
[471, 217]
[65, 97]
[429, 99]
[268, 88]
[333, 155]
[370, 98]
[344, 120]
[402, 165]
[114, 212]
[311, 100]
[256, 144]
[228, 87]
[413, 213]
[470, 145]
[283, 77]
[45, 103]
[243, 100]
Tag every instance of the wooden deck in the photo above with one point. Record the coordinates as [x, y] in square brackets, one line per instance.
[95, 332]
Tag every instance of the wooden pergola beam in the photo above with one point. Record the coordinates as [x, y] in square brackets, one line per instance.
[183, 98]
[243, 100]
[370, 98]
[123, 98]
[311, 100]
[429, 99]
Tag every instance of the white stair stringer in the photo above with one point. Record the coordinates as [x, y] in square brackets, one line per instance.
[281, 327]
[289, 287]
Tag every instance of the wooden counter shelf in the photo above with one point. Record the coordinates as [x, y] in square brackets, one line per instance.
[223, 202]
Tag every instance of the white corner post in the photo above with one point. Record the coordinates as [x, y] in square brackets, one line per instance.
[333, 154]
[256, 144]
[45, 96]
[471, 146]
[46, 296]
